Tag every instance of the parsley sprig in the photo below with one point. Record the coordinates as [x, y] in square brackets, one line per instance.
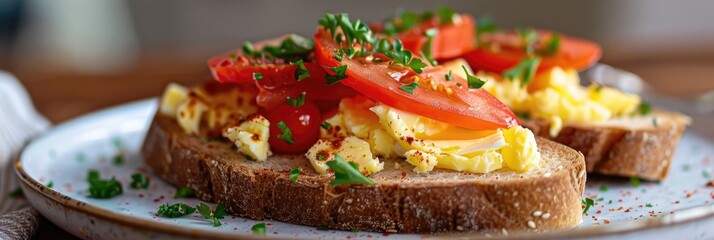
[340, 73]
[183, 192]
[213, 215]
[525, 70]
[409, 88]
[258, 228]
[403, 56]
[473, 81]
[346, 172]
[102, 188]
[294, 173]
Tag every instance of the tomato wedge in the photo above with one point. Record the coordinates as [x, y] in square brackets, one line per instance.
[573, 52]
[451, 39]
[275, 78]
[463, 107]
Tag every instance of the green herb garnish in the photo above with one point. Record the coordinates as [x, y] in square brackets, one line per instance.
[635, 181]
[346, 172]
[325, 125]
[296, 102]
[50, 184]
[294, 172]
[293, 46]
[525, 70]
[649, 205]
[258, 228]
[285, 133]
[473, 81]
[644, 108]
[603, 188]
[340, 73]
[320, 156]
[183, 192]
[409, 88]
[426, 48]
[118, 160]
[654, 122]
[301, 71]
[139, 180]
[587, 202]
[16, 193]
[102, 188]
[213, 215]
[529, 38]
[553, 45]
[449, 77]
[446, 15]
[705, 174]
[257, 76]
[400, 55]
[175, 210]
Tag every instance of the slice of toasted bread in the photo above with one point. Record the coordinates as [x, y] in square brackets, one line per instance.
[400, 200]
[640, 146]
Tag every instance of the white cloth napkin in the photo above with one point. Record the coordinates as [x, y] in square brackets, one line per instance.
[19, 122]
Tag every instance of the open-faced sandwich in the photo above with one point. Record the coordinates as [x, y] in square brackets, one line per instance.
[350, 130]
[535, 73]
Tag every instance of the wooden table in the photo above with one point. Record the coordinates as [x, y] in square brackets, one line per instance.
[62, 95]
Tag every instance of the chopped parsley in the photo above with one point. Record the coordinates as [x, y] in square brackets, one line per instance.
[553, 45]
[603, 188]
[320, 156]
[649, 205]
[635, 181]
[705, 174]
[426, 48]
[473, 81]
[248, 49]
[325, 125]
[285, 133]
[118, 160]
[523, 115]
[340, 73]
[296, 102]
[139, 181]
[529, 38]
[485, 24]
[50, 184]
[409, 88]
[294, 173]
[346, 172]
[212, 215]
[446, 15]
[102, 188]
[233, 56]
[382, 46]
[403, 56]
[587, 202]
[449, 77]
[301, 71]
[257, 76]
[175, 210]
[654, 122]
[644, 108]
[258, 228]
[293, 46]
[183, 192]
[16, 193]
[525, 70]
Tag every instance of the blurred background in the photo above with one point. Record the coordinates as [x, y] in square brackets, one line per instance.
[79, 55]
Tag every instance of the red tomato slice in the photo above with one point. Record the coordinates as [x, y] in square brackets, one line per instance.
[573, 53]
[452, 40]
[468, 108]
[278, 77]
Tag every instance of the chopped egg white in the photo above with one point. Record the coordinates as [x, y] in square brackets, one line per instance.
[251, 137]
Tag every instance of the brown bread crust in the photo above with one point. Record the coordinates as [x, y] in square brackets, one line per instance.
[400, 201]
[636, 149]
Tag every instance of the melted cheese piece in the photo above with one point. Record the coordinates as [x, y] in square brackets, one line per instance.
[174, 95]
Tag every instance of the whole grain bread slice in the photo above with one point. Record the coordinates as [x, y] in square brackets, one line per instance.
[400, 200]
[641, 146]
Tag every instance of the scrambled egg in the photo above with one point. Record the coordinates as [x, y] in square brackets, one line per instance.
[207, 108]
[351, 148]
[251, 137]
[480, 154]
[173, 96]
[556, 95]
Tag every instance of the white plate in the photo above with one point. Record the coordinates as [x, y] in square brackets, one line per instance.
[679, 206]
